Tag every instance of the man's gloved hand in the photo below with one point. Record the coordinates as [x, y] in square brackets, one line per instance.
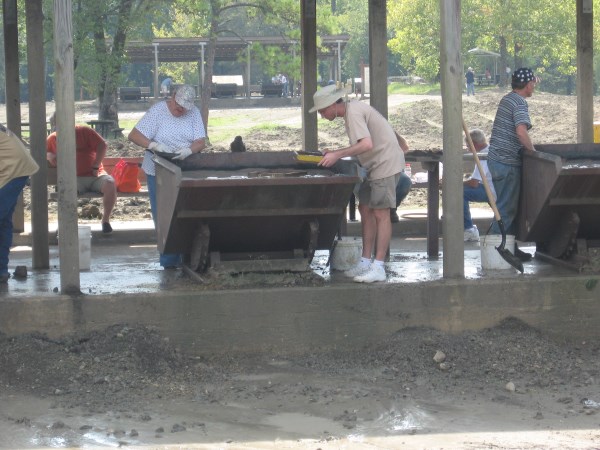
[182, 153]
[159, 147]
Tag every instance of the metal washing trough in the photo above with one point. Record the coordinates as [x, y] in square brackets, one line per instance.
[560, 204]
[250, 211]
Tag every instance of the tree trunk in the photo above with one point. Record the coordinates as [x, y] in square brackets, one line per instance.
[107, 89]
[503, 61]
[211, 49]
[518, 57]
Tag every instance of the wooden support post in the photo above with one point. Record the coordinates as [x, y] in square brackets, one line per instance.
[378, 56]
[37, 127]
[309, 72]
[585, 72]
[65, 139]
[452, 195]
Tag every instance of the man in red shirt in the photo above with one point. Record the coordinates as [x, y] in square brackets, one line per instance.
[91, 176]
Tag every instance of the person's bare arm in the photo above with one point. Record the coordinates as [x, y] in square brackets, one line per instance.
[402, 142]
[524, 138]
[198, 145]
[138, 138]
[331, 157]
[100, 154]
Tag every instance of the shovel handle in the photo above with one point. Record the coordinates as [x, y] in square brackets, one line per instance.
[484, 179]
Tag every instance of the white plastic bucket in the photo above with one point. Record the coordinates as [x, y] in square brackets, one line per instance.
[490, 257]
[346, 253]
[85, 247]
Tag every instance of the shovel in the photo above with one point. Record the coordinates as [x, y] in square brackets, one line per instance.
[505, 253]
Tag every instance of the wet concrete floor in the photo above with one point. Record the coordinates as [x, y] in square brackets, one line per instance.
[118, 267]
[291, 312]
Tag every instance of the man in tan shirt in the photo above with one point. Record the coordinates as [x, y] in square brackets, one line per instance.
[375, 144]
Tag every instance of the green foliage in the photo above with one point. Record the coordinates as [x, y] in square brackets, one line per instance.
[273, 60]
[230, 18]
[537, 34]
[352, 17]
[415, 30]
[540, 35]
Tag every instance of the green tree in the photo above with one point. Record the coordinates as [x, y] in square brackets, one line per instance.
[415, 35]
[101, 30]
[211, 18]
[540, 34]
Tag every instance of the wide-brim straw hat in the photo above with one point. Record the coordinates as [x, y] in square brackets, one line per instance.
[328, 95]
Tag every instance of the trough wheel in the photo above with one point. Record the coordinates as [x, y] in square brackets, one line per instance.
[312, 236]
[564, 237]
[200, 245]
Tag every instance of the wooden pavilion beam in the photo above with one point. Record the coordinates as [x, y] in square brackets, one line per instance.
[37, 127]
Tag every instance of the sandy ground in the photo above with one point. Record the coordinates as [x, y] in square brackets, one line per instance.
[504, 388]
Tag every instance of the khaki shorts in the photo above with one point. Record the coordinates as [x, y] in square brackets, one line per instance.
[92, 184]
[379, 194]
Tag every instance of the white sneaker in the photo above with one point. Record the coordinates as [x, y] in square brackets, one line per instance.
[375, 273]
[358, 269]
[471, 234]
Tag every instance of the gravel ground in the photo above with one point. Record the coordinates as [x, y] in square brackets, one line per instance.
[128, 383]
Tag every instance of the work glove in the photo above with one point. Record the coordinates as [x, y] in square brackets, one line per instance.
[159, 147]
[182, 153]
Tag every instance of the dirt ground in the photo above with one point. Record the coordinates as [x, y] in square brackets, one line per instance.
[506, 387]
[509, 387]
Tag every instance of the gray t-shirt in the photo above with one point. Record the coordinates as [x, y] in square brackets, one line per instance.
[505, 146]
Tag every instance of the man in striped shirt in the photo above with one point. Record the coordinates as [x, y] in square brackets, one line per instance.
[509, 140]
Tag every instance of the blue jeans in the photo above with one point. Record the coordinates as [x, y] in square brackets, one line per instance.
[165, 259]
[402, 188]
[9, 195]
[472, 194]
[507, 183]
[471, 88]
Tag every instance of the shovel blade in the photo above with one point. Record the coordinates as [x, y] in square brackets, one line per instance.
[510, 258]
[505, 253]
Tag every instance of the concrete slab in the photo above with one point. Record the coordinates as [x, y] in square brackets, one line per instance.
[288, 314]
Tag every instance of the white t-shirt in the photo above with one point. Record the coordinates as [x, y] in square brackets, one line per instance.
[159, 125]
[477, 176]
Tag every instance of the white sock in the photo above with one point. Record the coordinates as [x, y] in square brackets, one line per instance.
[364, 262]
[379, 263]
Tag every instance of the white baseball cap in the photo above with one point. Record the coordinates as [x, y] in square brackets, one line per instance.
[185, 96]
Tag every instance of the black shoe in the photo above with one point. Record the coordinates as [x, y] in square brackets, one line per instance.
[523, 256]
[394, 216]
[106, 228]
